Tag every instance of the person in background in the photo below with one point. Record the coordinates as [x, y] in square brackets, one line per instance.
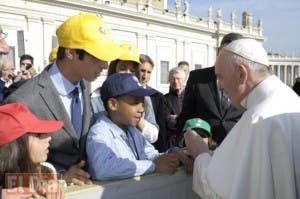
[184, 65]
[174, 100]
[127, 63]
[24, 142]
[203, 100]
[61, 91]
[26, 67]
[7, 75]
[4, 49]
[158, 101]
[53, 55]
[260, 157]
[296, 86]
[116, 149]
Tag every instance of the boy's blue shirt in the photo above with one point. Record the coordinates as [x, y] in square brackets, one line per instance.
[114, 154]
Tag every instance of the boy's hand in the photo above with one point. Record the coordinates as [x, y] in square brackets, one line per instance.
[166, 163]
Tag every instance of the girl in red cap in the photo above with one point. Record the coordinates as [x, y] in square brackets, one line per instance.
[24, 142]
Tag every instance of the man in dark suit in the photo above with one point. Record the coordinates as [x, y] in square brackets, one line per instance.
[203, 100]
[61, 90]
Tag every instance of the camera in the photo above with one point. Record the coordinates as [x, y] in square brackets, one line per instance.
[27, 66]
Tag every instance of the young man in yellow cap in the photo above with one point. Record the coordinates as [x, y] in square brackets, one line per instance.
[60, 92]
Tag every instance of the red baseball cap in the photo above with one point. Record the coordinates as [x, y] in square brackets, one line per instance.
[17, 120]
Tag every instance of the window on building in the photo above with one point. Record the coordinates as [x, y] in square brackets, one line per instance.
[164, 72]
[198, 66]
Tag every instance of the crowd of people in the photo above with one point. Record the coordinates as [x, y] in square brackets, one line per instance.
[233, 126]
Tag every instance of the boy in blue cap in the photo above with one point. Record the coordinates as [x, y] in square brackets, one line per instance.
[116, 149]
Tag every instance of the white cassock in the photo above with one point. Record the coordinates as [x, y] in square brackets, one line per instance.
[260, 157]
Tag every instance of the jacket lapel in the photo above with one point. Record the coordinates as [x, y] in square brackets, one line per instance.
[51, 98]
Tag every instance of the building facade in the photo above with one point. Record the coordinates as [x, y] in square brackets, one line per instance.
[166, 36]
[285, 67]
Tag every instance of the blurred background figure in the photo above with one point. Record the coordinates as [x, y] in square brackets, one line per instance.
[296, 86]
[53, 55]
[4, 49]
[26, 67]
[7, 73]
[174, 99]
[185, 66]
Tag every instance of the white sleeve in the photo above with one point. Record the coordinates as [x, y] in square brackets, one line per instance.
[200, 182]
[150, 132]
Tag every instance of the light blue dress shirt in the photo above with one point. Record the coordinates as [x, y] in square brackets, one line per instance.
[114, 154]
[64, 87]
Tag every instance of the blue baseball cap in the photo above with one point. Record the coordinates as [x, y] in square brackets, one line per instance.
[120, 84]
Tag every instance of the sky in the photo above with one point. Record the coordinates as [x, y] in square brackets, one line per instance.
[281, 19]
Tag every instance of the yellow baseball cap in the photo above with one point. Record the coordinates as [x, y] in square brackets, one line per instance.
[131, 53]
[89, 33]
[53, 54]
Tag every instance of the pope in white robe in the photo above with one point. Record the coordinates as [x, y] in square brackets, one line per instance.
[260, 157]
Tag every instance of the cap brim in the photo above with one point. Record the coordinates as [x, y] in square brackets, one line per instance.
[128, 58]
[141, 92]
[107, 51]
[191, 123]
[45, 126]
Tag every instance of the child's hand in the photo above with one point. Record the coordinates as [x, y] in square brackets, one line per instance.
[167, 163]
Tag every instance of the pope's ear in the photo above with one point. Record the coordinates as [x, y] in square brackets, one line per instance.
[112, 104]
[242, 73]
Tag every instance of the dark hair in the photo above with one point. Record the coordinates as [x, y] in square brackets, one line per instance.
[228, 38]
[112, 68]
[145, 58]
[15, 158]
[25, 57]
[61, 53]
[183, 63]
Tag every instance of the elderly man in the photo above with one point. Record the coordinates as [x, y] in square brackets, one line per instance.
[260, 157]
[7, 73]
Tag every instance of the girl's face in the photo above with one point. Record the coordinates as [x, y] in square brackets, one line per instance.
[38, 147]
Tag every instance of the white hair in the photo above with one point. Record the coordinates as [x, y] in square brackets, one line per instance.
[177, 70]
